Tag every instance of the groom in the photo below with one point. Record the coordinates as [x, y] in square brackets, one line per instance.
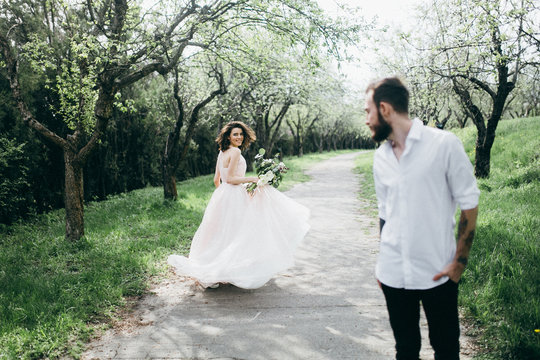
[421, 174]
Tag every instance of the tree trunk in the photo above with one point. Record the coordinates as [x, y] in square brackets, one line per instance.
[169, 182]
[74, 196]
[482, 160]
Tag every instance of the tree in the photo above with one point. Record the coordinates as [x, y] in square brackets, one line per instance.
[300, 123]
[290, 26]
[173, 153]
[265, 85]
[525, 99]
[483, 48]
[279, 52]
[431, 99]
[86, 53]
[13, 185]
[324, 94]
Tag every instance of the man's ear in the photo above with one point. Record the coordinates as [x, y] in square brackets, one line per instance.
[385, 109]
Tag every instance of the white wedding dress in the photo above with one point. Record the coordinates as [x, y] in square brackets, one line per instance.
[244, 240]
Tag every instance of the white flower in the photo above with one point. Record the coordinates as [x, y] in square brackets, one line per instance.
[265, 178]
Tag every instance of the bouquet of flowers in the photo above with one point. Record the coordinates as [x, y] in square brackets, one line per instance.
[269, 171]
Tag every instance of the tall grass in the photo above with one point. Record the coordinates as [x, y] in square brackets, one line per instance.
[500, 289]
[54, 294]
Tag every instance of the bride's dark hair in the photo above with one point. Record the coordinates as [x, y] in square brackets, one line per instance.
[223, 137]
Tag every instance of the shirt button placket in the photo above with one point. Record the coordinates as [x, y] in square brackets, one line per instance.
[404, 225]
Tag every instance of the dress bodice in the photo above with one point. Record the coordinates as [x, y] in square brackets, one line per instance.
[224, 171]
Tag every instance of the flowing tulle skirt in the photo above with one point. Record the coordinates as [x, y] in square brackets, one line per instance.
[244, 240]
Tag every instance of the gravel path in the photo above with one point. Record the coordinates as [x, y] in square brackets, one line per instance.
[327, 307]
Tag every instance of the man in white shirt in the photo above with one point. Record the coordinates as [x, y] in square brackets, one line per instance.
[421, 175]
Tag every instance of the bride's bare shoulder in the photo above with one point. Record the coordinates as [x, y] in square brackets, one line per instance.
[232, 150]
[231, 153]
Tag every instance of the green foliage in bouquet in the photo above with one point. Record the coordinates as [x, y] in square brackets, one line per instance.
[269, 171]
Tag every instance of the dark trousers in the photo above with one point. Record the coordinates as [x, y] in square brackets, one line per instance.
[440, 307]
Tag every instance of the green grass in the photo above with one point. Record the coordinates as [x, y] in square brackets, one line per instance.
[53, 291]
[364, 167]
[500, 290]
[54, 294]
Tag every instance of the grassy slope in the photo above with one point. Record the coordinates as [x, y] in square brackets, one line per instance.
[500, 289]
[53, 293]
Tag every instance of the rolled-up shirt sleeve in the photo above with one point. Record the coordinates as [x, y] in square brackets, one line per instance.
[460, 176]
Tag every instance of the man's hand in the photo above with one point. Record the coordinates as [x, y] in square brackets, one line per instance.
[453, 271]
[465, 236]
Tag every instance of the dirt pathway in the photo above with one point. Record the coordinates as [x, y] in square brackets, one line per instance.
[327, 307]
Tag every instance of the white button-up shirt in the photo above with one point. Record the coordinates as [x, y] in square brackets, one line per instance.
[417, 198]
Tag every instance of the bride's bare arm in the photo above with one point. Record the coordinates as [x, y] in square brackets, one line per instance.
[236, 180]
[217, 175]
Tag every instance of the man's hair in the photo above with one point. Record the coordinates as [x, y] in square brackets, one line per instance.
[390, 90]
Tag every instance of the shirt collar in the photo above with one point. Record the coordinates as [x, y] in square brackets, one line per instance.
[415, 133]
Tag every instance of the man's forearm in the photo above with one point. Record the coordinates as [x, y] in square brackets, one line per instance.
[465, 236]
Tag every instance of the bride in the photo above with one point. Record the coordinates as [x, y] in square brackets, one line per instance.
[243, 239]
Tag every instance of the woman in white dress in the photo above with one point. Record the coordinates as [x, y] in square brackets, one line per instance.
[243, 239]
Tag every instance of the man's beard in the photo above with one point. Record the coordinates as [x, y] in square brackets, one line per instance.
[382, 130]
